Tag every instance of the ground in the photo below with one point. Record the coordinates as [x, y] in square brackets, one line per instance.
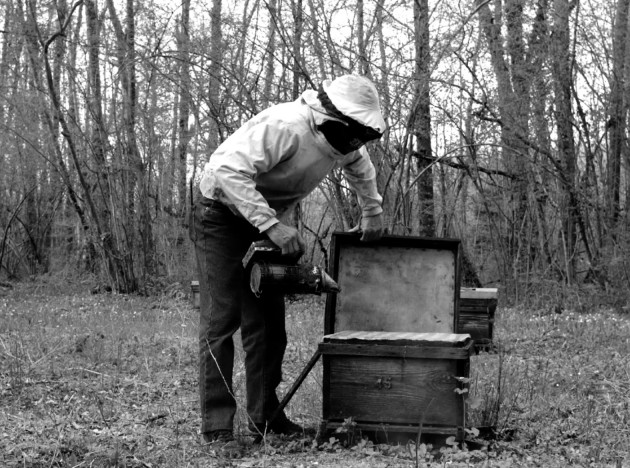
[110, 380]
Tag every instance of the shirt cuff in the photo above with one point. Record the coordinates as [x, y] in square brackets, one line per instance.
[267, 224]
[372, 211]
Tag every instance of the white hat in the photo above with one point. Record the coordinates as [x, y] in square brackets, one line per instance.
[356, 97]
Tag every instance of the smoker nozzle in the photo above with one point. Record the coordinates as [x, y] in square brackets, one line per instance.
[329, 285]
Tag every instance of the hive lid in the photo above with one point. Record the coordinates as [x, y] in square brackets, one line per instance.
[397, 284]
[478, 293]
[406, 338]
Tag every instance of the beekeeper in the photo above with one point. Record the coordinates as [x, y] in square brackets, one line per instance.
[249, 187]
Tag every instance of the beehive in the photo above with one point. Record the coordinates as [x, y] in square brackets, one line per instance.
[392, 360]
[194, 292]
[477, 307]
[396, 382]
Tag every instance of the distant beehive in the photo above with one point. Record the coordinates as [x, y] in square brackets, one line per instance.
[194, 293]
[476, 314]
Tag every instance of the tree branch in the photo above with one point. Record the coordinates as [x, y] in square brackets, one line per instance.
[468, 168]
[63, 28]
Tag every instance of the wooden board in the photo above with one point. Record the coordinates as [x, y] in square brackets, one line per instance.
[479, 293]
[391, 433]
[398, 338]
[396, 284]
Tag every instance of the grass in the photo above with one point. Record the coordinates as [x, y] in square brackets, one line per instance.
[565, 384]
[110, 380]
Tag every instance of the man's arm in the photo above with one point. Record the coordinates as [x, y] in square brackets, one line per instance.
[361, 175]
[252, 150]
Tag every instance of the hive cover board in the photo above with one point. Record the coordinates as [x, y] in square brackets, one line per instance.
[398, 283]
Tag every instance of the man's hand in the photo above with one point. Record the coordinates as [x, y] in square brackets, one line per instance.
[372, 228]
[287, 238]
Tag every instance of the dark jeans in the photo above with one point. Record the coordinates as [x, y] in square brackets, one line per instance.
[221, 240]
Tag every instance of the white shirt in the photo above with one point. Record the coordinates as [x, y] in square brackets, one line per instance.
[277, 158]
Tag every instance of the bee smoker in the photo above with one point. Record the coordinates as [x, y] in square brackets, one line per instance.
[269, 270]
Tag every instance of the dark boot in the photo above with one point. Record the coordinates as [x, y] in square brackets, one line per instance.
[221, 443]
[283, 425]
[280, 426]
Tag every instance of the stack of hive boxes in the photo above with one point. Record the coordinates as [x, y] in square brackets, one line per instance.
[393, 361]
[476, 315]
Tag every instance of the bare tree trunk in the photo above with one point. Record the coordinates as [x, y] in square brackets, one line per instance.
[422, 118]
[214, 86]
[113, 242]
[520, 107]
[270, 53]
[53, 180]
[73, 105]
[59, 116]
[618, 109]
[298, 18]
[540, 88]
[382, 156]
[136, 180]
[364, 65]
[60, 51]
[7, 46]
[385, 100]
[170, 164]
[562, 81]
[319, 52]
[513, 83]
[51, 122]
[184, 107]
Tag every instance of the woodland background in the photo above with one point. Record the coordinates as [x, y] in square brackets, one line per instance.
[508, 129]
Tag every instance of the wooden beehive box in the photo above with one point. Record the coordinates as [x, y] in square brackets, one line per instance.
[476, 314]
[396, 383]
[392, 360]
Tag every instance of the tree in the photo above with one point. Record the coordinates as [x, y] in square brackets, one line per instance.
[618, 110]
[298, 71]
[508, 132]
[421, 117]
[214, 72]
[561, 70]
[135, 180]
[183, 115]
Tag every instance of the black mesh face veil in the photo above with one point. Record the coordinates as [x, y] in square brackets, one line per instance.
[345, 136]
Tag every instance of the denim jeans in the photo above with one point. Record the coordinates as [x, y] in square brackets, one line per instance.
[226, 303]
